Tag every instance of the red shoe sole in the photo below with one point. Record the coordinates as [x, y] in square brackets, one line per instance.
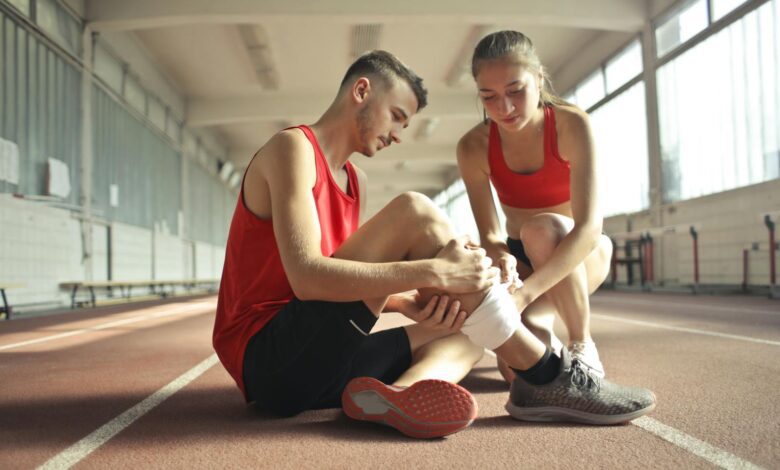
[427, 409]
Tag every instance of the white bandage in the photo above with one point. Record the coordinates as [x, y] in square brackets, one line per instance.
[494, 321]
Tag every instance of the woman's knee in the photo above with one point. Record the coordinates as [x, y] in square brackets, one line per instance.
[541, 234]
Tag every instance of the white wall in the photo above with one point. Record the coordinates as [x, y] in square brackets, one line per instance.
[99, 252]
[168, 259]
[131, 252]
[39, 247]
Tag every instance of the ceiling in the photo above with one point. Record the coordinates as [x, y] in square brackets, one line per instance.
[247, 68]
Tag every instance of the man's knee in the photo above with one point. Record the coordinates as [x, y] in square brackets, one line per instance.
[494, 320]
[418, 207]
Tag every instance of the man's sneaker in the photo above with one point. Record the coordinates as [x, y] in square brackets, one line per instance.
[426, 409]
[588, 355]
[578, 395]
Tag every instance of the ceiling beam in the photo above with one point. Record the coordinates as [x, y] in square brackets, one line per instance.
[122, 15]
[297, 107]
[416, 155]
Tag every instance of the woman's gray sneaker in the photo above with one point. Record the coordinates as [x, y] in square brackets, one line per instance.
[578, 395]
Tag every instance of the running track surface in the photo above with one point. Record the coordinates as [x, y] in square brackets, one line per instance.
[137, 386]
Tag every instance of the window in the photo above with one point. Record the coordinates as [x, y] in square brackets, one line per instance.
[108, 68]
[59, 24]
[620, 130]
[135, 95]
[624, 66]
[21, 5]
[682, 26]
[719, 109]
[172, 127]
[156, 113]
[591, 90]
[721, 8]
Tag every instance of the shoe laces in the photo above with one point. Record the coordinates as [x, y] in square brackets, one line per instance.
[579, 350]
[583, 378]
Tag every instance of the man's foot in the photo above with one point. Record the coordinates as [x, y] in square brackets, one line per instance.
[426, 409]
[578, 395]
[588, 355]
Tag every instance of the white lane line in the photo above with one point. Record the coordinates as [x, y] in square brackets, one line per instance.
[708, 452]
[655, 303]
[686, 330]
[78, 451]
[103, 326]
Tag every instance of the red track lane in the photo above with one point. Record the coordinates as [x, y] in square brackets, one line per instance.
[721, 391]
[55, 393]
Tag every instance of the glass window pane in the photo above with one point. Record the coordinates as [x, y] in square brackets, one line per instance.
[21, 5]
[623, 67]
[591, 90]
[156, 113]
[172, 128]
[58, 24]
[108, 68]
[722, 132]
[721, 7]
[681, 27]
[135, 95]
[620, 130]
[189, 144]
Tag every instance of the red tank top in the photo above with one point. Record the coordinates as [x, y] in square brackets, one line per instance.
[547, 187]
[254, 286]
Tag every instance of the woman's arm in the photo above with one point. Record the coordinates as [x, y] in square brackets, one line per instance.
[472, 162]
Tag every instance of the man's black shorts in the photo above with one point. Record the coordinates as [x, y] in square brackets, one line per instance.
[304, 357]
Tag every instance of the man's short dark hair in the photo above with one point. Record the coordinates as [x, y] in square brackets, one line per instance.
[387, 67]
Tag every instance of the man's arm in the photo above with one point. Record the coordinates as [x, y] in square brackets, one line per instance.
[289, 170]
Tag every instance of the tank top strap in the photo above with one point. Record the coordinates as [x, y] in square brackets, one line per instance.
[495, 153]
[319, 158]
[550, 135]
[353, 190]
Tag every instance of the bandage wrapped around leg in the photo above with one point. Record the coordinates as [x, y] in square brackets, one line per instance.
[494, 321]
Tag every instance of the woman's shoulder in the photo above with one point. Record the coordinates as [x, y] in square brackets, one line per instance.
[475, 140]
[569, 117]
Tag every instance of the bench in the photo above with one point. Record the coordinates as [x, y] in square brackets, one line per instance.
[6, 309]
[157, 287]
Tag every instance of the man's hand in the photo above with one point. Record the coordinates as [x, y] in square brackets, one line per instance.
[465, 267]
[438, 313]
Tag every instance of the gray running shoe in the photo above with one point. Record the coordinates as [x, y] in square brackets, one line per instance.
[588, 355]
[578, 395]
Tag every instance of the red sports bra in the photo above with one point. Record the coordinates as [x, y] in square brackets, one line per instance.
[547, 187]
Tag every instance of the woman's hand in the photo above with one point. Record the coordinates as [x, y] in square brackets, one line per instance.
[508, 266]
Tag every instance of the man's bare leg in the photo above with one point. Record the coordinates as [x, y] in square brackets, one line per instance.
[435, 354]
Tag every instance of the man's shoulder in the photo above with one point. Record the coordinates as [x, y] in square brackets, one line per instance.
[289, 143]
[288, 154]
